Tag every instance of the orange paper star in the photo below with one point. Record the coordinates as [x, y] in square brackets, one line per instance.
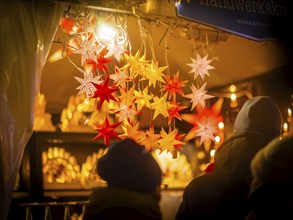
[202, 116]
[174, 85]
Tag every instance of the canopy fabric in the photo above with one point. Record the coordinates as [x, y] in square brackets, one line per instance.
[27, 31]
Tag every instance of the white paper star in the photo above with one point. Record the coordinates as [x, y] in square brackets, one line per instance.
[206, 131]
[198, 96]
[200, 66]
[126, 112]
[86, 84]
[88, 48]
[120, 76]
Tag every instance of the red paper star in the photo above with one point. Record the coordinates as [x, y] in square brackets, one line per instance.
[101, 61]
[104, 92]
[107, 131]
[174, 110]
[178, 137]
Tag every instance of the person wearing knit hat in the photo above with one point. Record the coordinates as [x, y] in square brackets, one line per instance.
[222, 193]
[134, 179]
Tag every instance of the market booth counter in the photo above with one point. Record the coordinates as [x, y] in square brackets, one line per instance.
[58, 174]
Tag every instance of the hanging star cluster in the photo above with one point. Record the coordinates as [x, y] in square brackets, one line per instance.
[135, 84]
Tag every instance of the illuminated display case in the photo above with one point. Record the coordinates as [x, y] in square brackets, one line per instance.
[59, 163]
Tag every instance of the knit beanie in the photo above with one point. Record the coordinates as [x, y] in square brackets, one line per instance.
[259, 114]
[128, 165]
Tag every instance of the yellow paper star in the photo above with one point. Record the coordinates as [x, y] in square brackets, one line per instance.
[160, 105]
[149, 139]
[131, 131]
[168, 140]
[142, 98]
[127, 95]
[136, 64]
[154, 73]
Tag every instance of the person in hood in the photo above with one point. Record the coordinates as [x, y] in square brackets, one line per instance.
[134, 181]
[222, 193]
[271, 191]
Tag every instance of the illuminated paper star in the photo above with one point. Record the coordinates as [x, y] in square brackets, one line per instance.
[206, 130]
[120, 76]
[106, 131]
[198, 96]
[203, 114]
[126, 112]
[104, 92]
[179, 137]
[200, 66]
[86, 84]
[67, 25]
[143, 98]
[87, 47]
[131, 131]
[100, 62]
[174, 85]
[174, 110]
[136, 64]
[116, 50]
[168, 140]
[149, 139]
[154, 73]
[160, 105]
[127, 95]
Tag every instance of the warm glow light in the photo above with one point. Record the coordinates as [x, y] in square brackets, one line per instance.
[233, 103]
[201, 155]
[106, 32]
[203, 167]
[232, 88]
[285, 127]
[217, 139]
[289, 112]
[86, 101]
[221, 125]
[212, 153]
[233, 97]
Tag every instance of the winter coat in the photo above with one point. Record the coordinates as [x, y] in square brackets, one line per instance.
[271, 192]
[117, 203]
[222, 193]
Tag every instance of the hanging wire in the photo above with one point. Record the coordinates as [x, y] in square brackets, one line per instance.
[142, 34]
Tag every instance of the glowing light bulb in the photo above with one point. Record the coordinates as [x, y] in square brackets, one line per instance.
[221, 125]
[106, 32]
[232, 88]
[233, 103]
[285, 127]
[217, 139]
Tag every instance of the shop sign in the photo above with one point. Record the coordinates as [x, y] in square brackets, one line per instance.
[254, 19]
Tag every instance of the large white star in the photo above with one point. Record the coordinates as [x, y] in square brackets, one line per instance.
[206, 131]
[198, 96]
[200, 66]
